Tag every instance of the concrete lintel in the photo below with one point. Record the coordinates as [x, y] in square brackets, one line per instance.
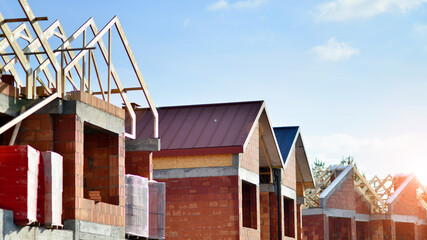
[143, 144]
[266, 187]
[312, 211]
[404, 218]
[249, 176]
[335, 185]
[330, 212]
[378, 216]
[363, 217]
[399, 218]
[11, 106]
[289, 192]
[95, 116]
[195, 172]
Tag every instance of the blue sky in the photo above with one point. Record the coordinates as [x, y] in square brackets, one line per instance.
[351, 73]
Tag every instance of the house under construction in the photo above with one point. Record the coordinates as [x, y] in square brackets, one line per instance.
[63, 135]
[344, 205]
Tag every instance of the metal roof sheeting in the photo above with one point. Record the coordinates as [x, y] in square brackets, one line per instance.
[200, 126]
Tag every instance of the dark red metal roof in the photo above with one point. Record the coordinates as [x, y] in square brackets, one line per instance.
[200, 126]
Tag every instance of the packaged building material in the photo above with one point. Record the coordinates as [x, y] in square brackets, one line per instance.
[136, 205]
[18, 182]
[50, 189]
[157, 193]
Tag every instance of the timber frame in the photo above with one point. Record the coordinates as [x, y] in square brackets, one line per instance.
[62, 60]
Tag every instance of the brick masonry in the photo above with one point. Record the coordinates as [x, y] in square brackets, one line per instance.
[202, 208]
[139, 163]
[343, 198]
[341, 228]
[64, 134]
[315, 227]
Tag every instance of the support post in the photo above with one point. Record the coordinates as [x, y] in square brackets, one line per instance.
[109, 65]
[82, 80]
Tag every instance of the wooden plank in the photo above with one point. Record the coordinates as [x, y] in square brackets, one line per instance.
[45, 45]
[16, 130]
[20, 55]
[27, 113]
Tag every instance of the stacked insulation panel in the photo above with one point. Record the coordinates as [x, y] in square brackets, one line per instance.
[157, 193]
[136, 206]
[18, 182]
[51, 196]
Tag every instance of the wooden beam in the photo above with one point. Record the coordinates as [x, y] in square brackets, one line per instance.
[27, 113]
[56, 50]
[115, 91]
[14, 20]
[16, 130]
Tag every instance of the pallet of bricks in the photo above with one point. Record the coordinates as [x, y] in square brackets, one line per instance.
[136, 206]
[29, 186]
[157, 208]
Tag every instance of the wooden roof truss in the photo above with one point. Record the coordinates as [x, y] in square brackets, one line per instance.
[375, 192]
[64, 59]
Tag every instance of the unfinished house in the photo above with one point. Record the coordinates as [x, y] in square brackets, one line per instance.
[216, 159]
[344, 205]
[296, 178]
[56, 94]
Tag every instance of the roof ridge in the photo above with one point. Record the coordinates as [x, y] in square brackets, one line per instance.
[206, 104]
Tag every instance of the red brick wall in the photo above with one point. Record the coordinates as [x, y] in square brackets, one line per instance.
[244, 232]
[343, 197]
[422, 232]
[37, 131]
[376, 231]
[299, 222]
[362, 207]
[202, 208]
[265, 215]
[139, 163]
[101, 169]
[315, 227]
[405, 231]
[64, 135]
[389, 230]
[422, 213]
[362, 230]
[406, 203]
[340, 228]
[274, 218]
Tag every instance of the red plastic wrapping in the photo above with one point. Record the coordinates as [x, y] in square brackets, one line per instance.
[18, 182]
[157, 202]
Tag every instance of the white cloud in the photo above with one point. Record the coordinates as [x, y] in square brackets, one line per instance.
[374, 156]
[334, 51]
[341, 10]
[218, 6]
[248, 4]
[225, 5]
